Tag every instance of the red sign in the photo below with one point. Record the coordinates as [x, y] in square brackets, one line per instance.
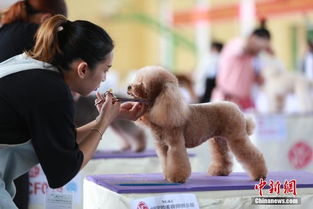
[142, 205]
[300, 155]
[34, 171]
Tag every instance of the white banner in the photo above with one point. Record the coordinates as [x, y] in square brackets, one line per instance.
[172, 201]
[286, 141]
[56, 200]
[38, 187]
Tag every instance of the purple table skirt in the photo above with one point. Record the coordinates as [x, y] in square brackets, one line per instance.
[126, 154]
[155, 183]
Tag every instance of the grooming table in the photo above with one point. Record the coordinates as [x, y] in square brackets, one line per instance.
[234, 191]
[103, 162]
[285, 141]
[117, 162]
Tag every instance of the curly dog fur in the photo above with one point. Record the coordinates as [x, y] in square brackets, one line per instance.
[177, 126]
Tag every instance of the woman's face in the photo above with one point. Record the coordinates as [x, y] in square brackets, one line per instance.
[97, 75]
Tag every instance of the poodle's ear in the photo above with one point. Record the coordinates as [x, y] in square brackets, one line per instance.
[169, 108]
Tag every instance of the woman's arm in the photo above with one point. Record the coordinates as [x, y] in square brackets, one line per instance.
[91, 141]
[83, 131]
[90, 135]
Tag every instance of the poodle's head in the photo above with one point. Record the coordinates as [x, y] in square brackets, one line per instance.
[160, 88]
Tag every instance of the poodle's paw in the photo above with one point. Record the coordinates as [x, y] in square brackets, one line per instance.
[178, 176]
[258, 173]
[140, 142]
[260, 177]
[177, 179]
[219, 170]
[125, 147]
[139, 148]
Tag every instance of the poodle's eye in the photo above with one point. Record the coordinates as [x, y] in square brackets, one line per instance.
[129, 87]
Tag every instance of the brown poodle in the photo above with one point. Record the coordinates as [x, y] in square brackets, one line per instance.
[177, 126]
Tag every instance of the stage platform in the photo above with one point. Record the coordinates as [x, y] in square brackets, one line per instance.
[234, 191]
[103, 162]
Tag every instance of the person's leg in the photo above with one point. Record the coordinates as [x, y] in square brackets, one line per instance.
[209, 86]
[21, 198]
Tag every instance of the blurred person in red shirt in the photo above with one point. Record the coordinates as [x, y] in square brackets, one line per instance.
[238, 70]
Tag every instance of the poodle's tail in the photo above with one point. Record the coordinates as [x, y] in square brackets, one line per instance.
[250, 125]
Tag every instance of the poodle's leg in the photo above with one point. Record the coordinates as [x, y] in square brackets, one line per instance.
[302, 91]
[178, 165]
[281, 100]
[249, 156]
[221, 158]
[124, 141]
[131, 135]
[161, 150]
[139, 141]
[276, 103]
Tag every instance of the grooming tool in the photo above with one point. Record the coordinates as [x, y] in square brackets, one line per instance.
[127, 100]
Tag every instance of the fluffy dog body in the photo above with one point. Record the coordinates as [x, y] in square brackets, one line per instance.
[177, 126]
[279, 82]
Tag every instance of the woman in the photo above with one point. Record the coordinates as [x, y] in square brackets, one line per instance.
[36, 106]
[19, 25]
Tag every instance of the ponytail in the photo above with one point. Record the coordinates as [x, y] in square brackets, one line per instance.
[60, 42]
[47, 43]
[263, 22]
[262, 32]
[17, 12]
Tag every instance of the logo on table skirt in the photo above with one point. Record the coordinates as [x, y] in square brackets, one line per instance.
[142, 205]
[300, 155]
[34, 171]
[289, 187]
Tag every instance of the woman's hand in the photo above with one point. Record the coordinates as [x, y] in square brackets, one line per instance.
[131, 110]
[108, 107]
[99, 101]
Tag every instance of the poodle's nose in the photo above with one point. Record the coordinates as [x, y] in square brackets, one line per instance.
[129, 87]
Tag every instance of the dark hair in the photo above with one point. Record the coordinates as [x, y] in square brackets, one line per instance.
[217, 45]
[262, 33]
[60, 42]
[23, 10]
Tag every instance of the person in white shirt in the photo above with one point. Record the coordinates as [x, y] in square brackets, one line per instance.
[205, 78]
[307, 65]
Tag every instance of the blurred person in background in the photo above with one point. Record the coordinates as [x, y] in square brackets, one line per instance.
[19, 24]
[206, 76]
[307, 63]
[237, 71]
[21, 21]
